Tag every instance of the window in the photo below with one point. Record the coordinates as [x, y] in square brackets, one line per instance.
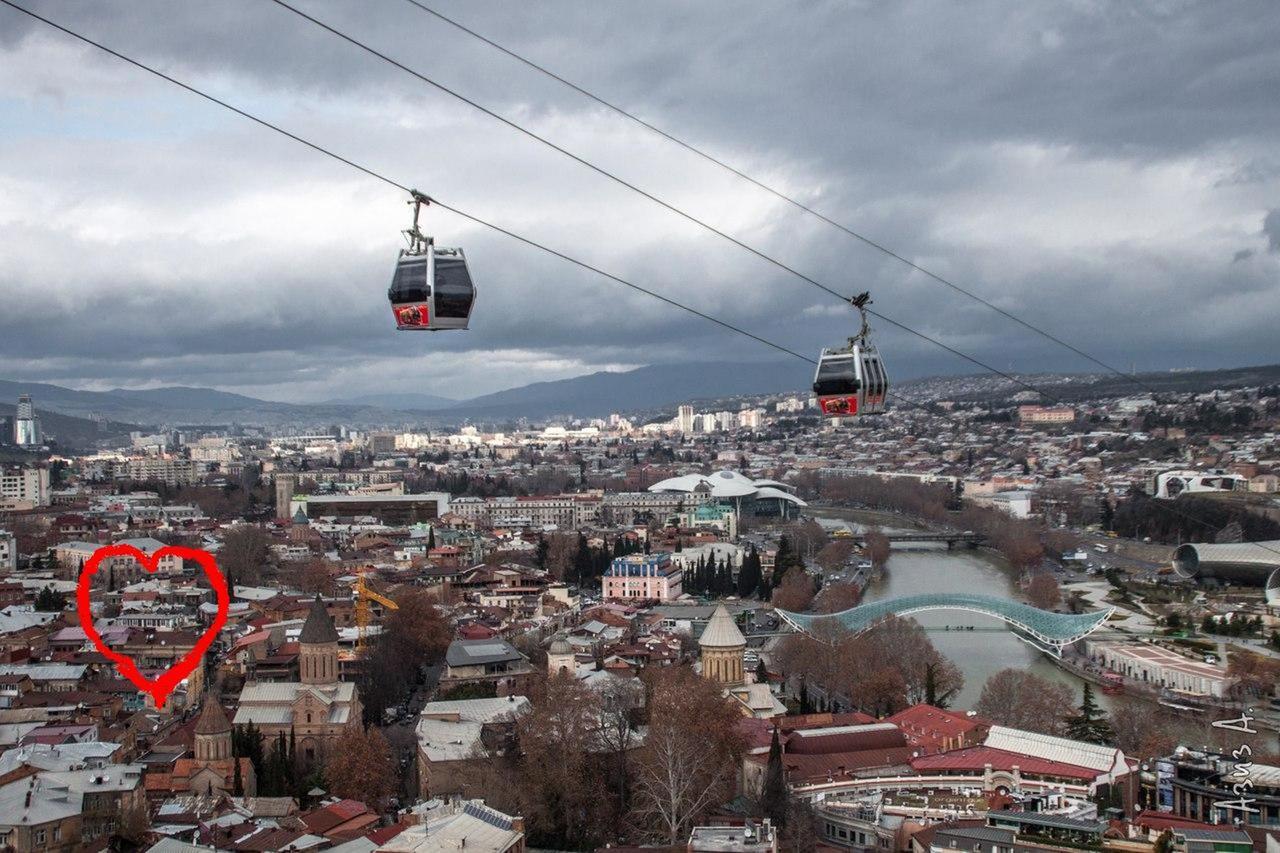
[39, 836]
[453, 288]
[410, 282]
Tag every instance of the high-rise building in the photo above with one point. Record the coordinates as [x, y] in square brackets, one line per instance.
[285, 484]
[26, 426]
[684, 418]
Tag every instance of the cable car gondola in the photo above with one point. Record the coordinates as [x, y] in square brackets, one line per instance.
[432, 289]
[851, 380]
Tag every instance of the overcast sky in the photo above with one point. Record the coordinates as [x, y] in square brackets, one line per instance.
[1110, 171]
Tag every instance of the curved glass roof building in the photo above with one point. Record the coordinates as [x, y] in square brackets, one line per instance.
[1048, 631]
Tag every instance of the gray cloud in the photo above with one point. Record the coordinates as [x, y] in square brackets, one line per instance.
[1086, 166]
[1271, 228]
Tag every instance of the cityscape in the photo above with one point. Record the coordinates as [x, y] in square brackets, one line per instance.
[704, 428]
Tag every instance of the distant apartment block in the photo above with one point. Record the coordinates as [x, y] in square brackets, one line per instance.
[1046, 414]
[24, 488]
[8, 552]
[643, 576]
[684, 418]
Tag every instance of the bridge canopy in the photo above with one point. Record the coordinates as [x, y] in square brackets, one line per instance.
[1052, 630]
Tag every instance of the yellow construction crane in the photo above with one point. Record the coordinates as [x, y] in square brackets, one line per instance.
[363, 596]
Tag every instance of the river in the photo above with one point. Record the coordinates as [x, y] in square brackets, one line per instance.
[928, 568]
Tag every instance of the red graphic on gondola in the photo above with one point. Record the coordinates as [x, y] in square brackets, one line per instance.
[839, 405]
[412, 315]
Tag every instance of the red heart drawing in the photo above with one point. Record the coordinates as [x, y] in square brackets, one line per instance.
[161, 687]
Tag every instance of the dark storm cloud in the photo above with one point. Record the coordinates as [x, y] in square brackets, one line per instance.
[1093, 167]
[1271, 228]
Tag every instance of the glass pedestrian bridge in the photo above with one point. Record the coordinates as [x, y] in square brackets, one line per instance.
[1048, 631]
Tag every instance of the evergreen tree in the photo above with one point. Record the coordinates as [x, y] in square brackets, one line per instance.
[544, 548]
[582, 560]
[49, 600]
[1108, 514]
[237, 783]
[431, 538]
[773, 793]
[749, 575]
[1090, 724]
[806, 707]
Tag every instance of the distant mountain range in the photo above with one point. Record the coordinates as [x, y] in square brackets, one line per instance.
[583, 396]
[657, 387]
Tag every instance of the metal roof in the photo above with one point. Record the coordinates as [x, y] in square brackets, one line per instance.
[1053, 629]
[721, 632]
[477, 652]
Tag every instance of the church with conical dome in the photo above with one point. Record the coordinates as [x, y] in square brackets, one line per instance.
[212, 768]
[721, 647]
[318, 706]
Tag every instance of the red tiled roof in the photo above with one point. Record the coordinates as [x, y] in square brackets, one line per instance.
[819, 742]
[324, 819]
[975, 758]
[818, 721]
[802, 767]
[1164, 820]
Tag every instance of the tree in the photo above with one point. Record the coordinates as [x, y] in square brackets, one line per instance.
[690, 758]
[1090, 724]
[558, 794]
[1252, 675]
[1043, 590]
[243, 555]
[49, 600]
[750, 573]
[773, 792]
[360, 766]
[876, 548]
[835, 554]
[314, 577]
[1145, 733]
[1023, 700]
[413, 636]
[836, 597]
[795, 592]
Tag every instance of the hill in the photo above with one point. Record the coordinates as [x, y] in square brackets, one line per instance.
[599, 394]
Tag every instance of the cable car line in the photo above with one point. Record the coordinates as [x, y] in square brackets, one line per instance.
[475, 219]
[655, 199]
[711, 158]
[408, 190]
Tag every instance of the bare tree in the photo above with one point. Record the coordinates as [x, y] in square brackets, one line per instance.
[1022, 700]
[876, 548]
[360, 767]
[690, 758]
[314, 577]
[795, 593]
[243, 555]
[557, 738]
[1043, 590]
[836, 597]
[835, 554]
